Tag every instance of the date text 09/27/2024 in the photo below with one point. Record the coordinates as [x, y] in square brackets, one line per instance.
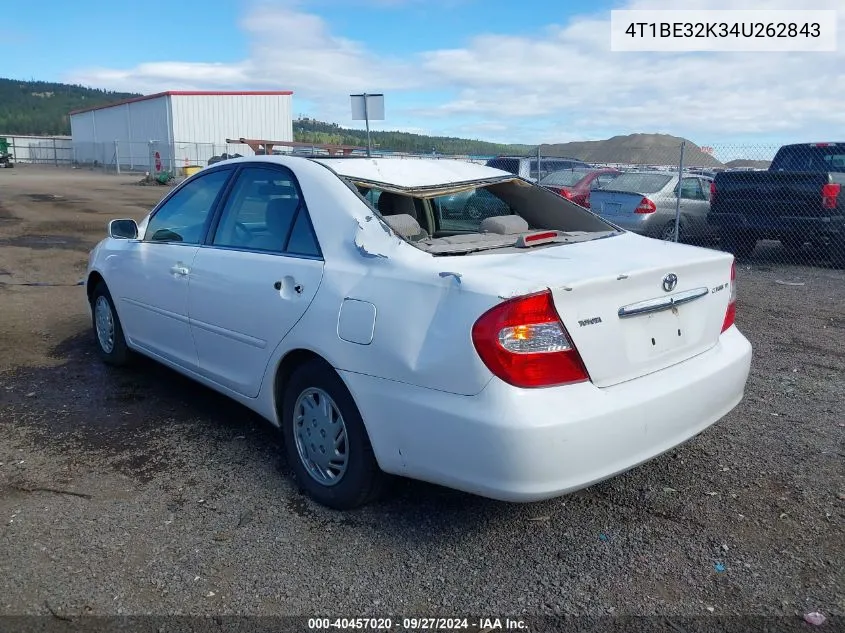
[417, 624]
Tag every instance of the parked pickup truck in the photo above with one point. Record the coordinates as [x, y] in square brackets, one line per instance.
[799, 199]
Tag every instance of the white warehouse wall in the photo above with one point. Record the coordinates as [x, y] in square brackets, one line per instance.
[202, 123]
[123, 131]
[186, 127]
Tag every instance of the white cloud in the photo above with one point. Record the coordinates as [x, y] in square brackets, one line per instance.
[563, 80]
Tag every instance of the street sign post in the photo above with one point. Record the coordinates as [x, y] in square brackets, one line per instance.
[367, 107]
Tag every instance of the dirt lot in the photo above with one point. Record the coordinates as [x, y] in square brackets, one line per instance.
[128, 492]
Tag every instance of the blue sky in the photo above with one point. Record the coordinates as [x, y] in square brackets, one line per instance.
[532, 71]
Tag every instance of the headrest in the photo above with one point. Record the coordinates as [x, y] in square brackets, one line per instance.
[394, 204]
[406, 226]
[503, 225]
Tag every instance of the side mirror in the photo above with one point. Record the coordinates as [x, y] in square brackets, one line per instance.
[123, 229]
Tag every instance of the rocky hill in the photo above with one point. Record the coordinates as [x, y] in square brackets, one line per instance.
[634, 149]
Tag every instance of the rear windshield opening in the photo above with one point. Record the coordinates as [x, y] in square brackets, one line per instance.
[639, 183]
[483, 217]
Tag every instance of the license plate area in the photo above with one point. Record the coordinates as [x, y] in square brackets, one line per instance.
[666, 334]
[611, 208]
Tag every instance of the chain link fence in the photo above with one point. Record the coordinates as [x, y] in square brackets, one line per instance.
[762, 203]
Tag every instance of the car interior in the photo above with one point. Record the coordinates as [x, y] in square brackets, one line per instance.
[479, 217]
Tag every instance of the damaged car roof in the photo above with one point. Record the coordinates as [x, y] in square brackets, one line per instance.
[412, 173]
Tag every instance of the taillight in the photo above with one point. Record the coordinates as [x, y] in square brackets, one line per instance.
[830, 195]
[523, 342]
[712, 191]
[730, 313]
[645, 206]
[566, 193]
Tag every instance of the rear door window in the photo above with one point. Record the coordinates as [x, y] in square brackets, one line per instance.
[690, 189]
[264, 213]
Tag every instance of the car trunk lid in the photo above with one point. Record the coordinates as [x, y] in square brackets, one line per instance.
[631, 307]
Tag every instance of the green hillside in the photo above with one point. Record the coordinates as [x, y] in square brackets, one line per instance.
[312, 131]
[41, 107]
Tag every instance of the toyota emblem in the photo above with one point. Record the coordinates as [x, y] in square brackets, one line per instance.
[669, 282]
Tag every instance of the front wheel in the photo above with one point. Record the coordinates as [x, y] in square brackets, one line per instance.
[111, 344]
[325, 439]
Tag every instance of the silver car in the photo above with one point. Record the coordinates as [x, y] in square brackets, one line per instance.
[644, 202]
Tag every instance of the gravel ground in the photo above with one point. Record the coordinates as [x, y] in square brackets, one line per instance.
[139, 492]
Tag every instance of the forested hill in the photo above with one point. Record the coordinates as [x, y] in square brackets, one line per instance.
[312, 131]
[41, 107]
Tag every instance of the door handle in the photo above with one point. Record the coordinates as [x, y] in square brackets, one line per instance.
[297, 288]
[180, 270]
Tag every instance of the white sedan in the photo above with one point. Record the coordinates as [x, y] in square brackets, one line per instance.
[433, 319]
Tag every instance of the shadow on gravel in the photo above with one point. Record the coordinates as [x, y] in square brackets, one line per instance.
[147, 421]
[45, 242]
[772, 254]
[132, 414]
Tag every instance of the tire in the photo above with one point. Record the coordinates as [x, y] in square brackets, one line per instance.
[667, 233]
[108, 333]
[836, 253]
[740, 243]
[356, 482]
[792, 243]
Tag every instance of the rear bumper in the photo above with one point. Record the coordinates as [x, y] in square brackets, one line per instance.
[642, 224]
[526, 445]
[775, 225]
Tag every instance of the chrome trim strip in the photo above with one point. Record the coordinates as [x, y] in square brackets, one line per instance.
[662, 303]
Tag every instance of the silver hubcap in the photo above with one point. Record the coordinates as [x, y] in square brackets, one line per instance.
[320, 435]
[669, 233]
[104, 323]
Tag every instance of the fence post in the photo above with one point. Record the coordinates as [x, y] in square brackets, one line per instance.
[116, 157]
[678, 197]
[55, 154]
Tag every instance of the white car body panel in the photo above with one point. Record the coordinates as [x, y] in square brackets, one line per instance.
[395, 323]
[238, 321]
[155, 316]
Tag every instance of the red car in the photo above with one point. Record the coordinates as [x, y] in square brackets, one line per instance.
[575, 184]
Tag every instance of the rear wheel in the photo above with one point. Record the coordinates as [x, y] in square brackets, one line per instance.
[740, 243]
[793, 243]
[325, 439]
[111, 344]
[836, 252]
[667, 233]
